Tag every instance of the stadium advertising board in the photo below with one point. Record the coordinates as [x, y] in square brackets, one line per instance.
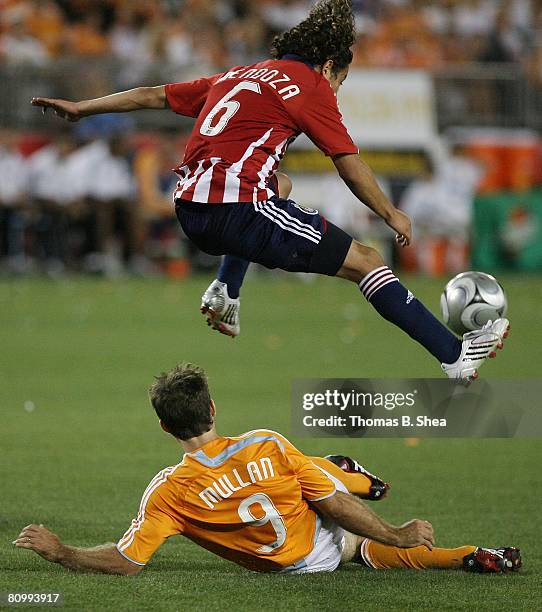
[391, 116]
[389, 108]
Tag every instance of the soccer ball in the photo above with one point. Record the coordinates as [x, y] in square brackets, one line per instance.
[471, 299]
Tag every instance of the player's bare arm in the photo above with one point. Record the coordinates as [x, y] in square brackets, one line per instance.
[361, 181]
[105, 559]
[122, 102]
[354, 516]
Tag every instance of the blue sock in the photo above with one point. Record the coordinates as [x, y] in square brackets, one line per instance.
[396, 304]
[232, 272]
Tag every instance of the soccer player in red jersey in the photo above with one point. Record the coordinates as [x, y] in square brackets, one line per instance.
[224, 200]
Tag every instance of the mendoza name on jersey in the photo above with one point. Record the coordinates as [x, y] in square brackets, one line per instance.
[274, 78]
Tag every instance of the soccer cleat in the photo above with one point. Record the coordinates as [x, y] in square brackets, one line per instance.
[221, 310]
[477, 346]
[493, 560]
[378, 488]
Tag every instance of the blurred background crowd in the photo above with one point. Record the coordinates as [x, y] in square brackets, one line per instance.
[216, 34]
[96, 198]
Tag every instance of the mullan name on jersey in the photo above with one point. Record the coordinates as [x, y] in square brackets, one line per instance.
[245, 120]
[227, 484]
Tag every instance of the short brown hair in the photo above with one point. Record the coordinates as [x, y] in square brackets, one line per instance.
[182, 401]
[326, 34]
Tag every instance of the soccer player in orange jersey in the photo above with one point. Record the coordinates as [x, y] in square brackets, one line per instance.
[258, 501]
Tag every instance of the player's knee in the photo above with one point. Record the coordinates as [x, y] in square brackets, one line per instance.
[360, 261]
[351, 547]
[285, 185]
[371, 259]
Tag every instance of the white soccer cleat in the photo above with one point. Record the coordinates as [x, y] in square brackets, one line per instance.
[221, 310]
[476, 348]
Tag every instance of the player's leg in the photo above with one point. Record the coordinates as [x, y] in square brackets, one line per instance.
[220, 302]
[382, 556]
[296, 238]
[383, 290]
[279, 233]
[233, 269]
[323, 248]
[393, 301]
[376, 555]
[357, 480]
[232, 273]
[470, 558]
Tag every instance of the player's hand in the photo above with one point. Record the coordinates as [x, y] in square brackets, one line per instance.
[416, 533]
[39, 539]
[62, 108]
[400, 222]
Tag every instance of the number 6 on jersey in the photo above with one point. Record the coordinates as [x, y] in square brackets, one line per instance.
[230, 106]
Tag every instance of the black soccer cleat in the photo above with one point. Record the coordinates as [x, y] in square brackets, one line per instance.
[493, 560]
[378, 489]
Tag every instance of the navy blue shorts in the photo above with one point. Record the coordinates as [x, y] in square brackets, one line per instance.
[276, 234]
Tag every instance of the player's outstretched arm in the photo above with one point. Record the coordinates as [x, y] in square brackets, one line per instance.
[362, 183]
[125, 101]
[354, 516]
[105, 558]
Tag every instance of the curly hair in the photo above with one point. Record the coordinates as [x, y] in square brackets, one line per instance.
[326, 34]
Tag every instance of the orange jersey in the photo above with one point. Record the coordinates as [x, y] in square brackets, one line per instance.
[243, 498]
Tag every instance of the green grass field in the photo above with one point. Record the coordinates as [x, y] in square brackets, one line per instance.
[79, 442]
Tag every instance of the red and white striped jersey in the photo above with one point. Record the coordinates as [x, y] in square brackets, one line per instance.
[246, 118]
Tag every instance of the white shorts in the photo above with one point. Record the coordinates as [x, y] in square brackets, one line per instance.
[328, 547]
